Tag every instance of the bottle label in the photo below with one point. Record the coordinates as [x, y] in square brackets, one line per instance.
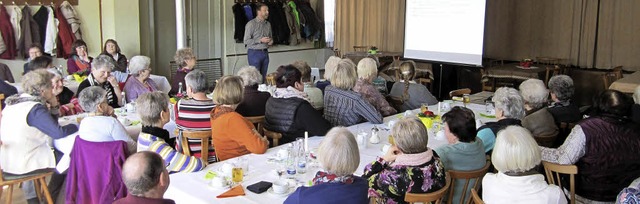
[291, 171]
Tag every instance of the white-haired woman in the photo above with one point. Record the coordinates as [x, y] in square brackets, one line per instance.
[636, 107]
[101, 125]
[186, 61]
[409, 166]
[515, 156]
[509, 111]
[27, 126]
[412, 94]
[140, 83]
[329, 67]
[153, 136]
[101, 76]
[339, 157]
[367, 71]
[561, 90]
[342, 105]
[68, 104]
[254, 100]
[537, 119]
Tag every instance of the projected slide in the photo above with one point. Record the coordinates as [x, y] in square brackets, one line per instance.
[445, 30]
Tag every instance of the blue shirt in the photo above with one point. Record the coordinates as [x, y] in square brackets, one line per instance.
[40, 118]
[353, 193]
[488, 139]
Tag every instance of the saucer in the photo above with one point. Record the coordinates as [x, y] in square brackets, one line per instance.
[286, 193]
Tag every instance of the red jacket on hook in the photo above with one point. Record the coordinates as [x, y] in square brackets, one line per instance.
[65, 36]
[7, 35]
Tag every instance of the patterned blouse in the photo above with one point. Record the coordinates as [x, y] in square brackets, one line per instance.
[414, 173]
[374, 97]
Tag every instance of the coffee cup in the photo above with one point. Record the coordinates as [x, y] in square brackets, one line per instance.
[124, 121]
[218, 181]
[280, 187]
[227, 169]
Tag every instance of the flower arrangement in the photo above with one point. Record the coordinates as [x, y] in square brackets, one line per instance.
[373, 50]
[526, 62]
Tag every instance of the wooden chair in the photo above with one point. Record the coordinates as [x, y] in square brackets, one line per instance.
[395, 102]
[546, 140]
[1, 99]
[361, 48]
[274, 136]
[611, 76]
[425, 81]
[337, 52]
[258, 121]
[487, 83]
[271, 79]
[459, 92]
[553, 172]
[467, 176]
[552, 71]
[435, 197]
[203, 135]
[38, 179]
[475, 197]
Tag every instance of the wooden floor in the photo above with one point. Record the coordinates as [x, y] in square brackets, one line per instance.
[18, 196]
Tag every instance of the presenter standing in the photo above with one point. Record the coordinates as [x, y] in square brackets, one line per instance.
[257, 39]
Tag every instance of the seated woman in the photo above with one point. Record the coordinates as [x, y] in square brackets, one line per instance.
[604, 147]
[289, 112]
[339, 157]
[254, 100]
[34, 51]
[509, 111]
[232, 134]
[68, 104]
[636, 107]
[112, 48]
[367, 71]
[537, 119]
[192, 113]
[101, 76]
[152, 137]
[79, 62]
[465, 152]
[41, 62]
[561, 90]
[315, 94]
[140, 82]
[329, 67]
[101, 125]
[516, 156]
[26, 130]
[408, 167]
[186, 61]
[343, 106]
[412, 94]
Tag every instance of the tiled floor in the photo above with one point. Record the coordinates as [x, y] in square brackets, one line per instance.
[18, 196]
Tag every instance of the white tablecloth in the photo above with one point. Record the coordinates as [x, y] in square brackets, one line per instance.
[194, 189]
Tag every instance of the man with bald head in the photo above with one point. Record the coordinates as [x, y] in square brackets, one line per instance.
[146, 179]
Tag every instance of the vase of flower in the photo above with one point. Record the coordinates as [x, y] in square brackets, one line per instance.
[373, 50]
[526, 63]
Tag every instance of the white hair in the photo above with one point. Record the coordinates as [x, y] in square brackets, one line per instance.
[330, 66]
[138, 63]
[250, 75]
[515, 150]
[510, 102]
[197, 80]
[91, 97]
[153, 104]
[562, 87]
[367, 68]
[410, 135]
[338, 152]
[534, 93]
[103, 62]
[636, 95]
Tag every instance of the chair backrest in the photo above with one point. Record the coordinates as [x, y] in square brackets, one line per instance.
[435, 197]
[361, 48]
[274, 136]
[475, 197]
[459, 92]
[337, 52]
[548, 60]
[1, 99]
[611, 76]
[553, 171]
[271, 79]
[552, 71]
[203, 135]
[395, 102]
[546, 140]
[258, 121]
[467, 176]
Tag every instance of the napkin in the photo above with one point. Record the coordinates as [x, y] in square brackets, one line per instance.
[235, 191]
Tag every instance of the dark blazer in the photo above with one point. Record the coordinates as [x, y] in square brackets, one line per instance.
[40, 17]
[254, 102]
[279, 28]
[5, 74]
[7, 35]
[240, 20]
[30, 32]
[636, 113]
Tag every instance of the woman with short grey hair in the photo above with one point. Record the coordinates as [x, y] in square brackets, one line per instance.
[509, 109]
[100, 123]
[339, 156]
[561, 90]
[538, 120]
[254, 101]
[408, 166]
[101, 76]
[186, 61]
[26, 129]
[140, 82]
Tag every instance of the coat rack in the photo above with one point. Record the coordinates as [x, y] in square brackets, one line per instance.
[36, 2]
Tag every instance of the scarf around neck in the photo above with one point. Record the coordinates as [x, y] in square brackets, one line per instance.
[290, 92]
[325, 177]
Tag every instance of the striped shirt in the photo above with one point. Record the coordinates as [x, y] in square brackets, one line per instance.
[194, 114]
[346, 108]
[176, 161]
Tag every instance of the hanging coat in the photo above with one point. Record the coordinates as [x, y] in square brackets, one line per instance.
[7, 35]
[240, 21]
[294, 28]
[72, 18]
[278, 21]
[16, 17]
[30, 32]
[65, 35]
[41, 19]
[51, 33]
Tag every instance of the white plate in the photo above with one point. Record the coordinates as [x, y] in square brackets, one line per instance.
[270, 191]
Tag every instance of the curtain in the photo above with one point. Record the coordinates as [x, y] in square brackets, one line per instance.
[377, 23]
[618, 42]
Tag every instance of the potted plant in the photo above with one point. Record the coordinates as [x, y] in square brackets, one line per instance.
[373, 50]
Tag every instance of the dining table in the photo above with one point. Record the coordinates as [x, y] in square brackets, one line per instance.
[627, 84]
[196, 188]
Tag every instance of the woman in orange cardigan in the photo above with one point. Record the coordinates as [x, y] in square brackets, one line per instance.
[233, 135]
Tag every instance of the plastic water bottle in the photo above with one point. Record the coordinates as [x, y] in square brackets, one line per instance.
[302, 159]
[124, 101]
[291, 161]
[180, 87]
